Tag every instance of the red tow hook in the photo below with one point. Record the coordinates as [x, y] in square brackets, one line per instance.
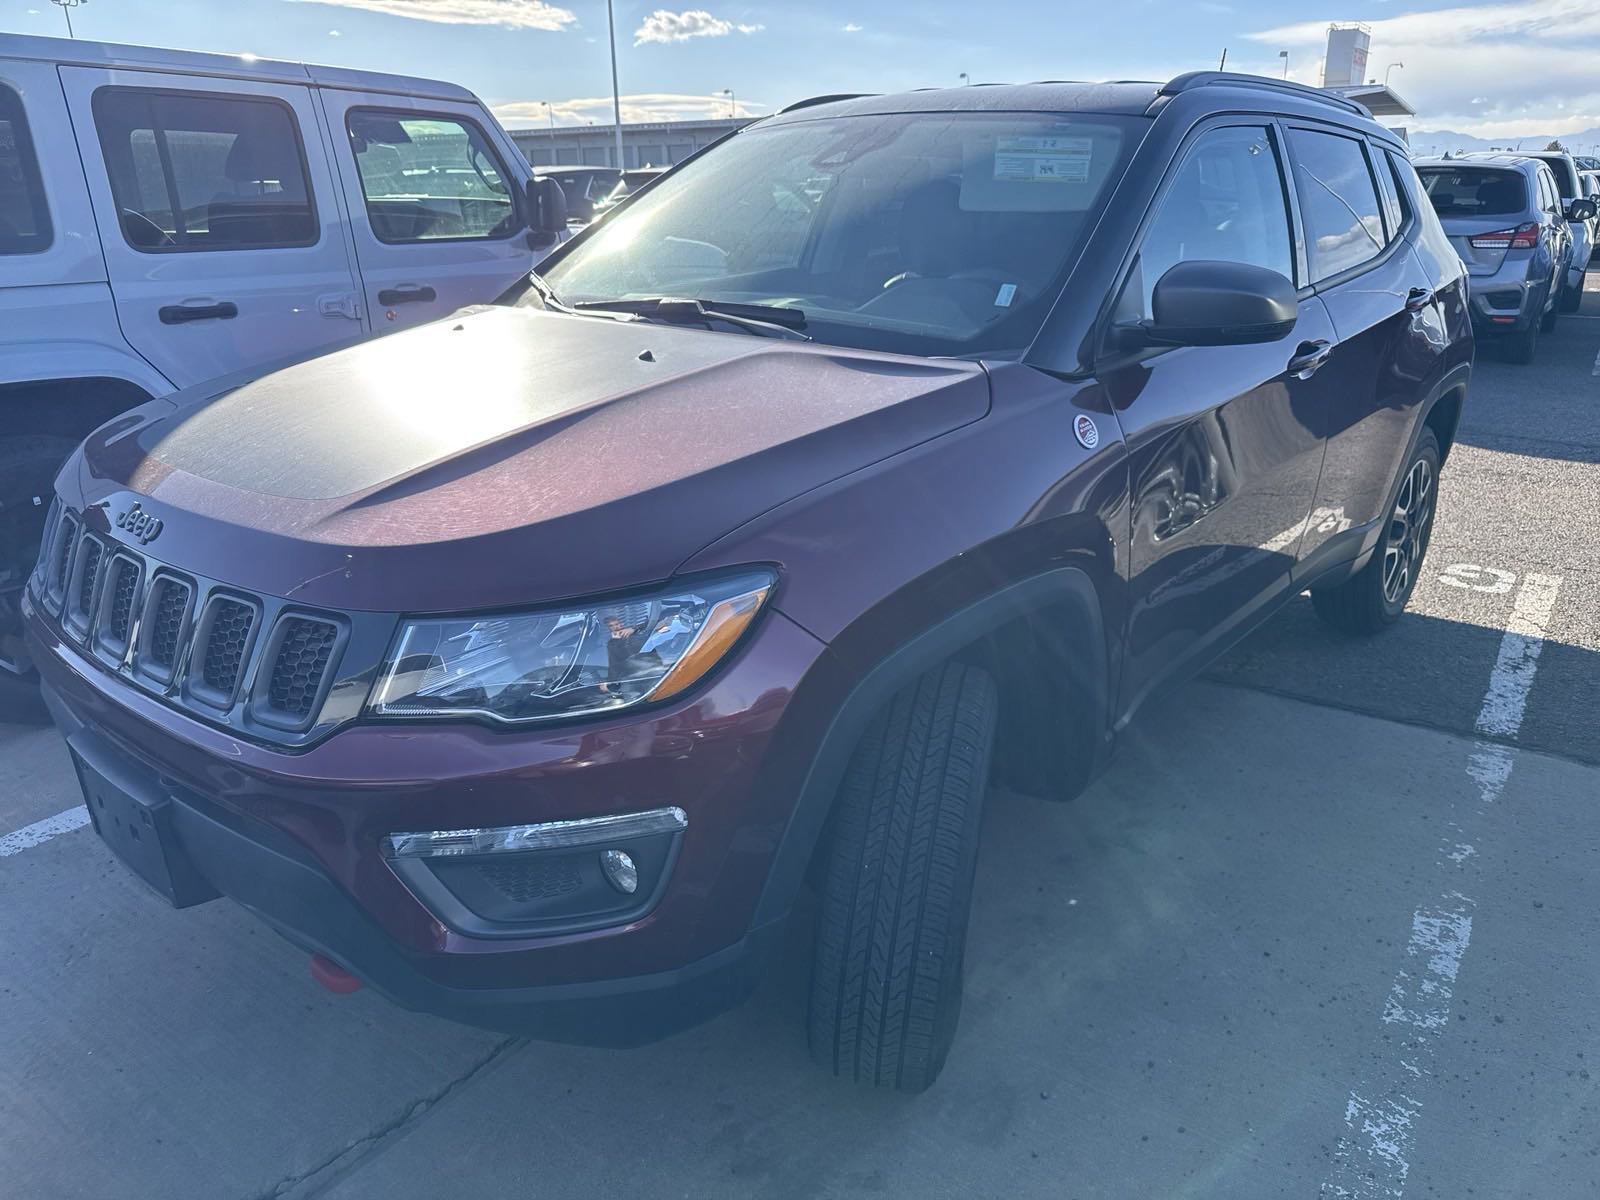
[333, 977]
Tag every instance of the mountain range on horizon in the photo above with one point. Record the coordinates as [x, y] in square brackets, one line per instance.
[1437, 141]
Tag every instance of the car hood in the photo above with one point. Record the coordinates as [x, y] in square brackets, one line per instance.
[504, 456]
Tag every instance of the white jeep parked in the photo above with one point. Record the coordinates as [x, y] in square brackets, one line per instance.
[168, 217]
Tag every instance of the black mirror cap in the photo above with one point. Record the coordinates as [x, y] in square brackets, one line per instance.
[547, 208]
[1582, 209]
[1209, 303]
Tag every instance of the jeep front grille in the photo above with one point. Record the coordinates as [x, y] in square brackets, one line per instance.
[114, 619]
[226, 630]
[297, 656]
[166, 615]
[199, 646]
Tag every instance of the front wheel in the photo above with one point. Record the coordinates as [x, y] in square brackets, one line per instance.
[886, 985]
[1375, 596]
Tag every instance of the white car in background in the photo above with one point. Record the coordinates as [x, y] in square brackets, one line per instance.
[167, 218]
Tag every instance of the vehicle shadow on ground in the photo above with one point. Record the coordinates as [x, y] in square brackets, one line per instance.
[1424, 671]
[1168, 990]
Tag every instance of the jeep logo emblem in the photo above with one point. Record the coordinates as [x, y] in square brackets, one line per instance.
[139, 524]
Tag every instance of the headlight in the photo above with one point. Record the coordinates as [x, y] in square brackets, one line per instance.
[568, 661]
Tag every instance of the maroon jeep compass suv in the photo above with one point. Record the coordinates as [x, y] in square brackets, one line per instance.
[527, 665]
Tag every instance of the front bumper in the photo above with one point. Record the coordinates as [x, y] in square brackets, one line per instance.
[296, 838]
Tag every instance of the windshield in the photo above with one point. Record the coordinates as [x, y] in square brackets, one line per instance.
[935, 234]
[1474, 192]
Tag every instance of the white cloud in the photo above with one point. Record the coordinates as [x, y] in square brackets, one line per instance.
[641, 107]
[1540, 54]
[852, 28]
[664, 26]
[503, 14]
[334, 33]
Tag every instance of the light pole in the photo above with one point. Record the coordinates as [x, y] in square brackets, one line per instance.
[1390, 68]
[966, 80]
[733, 104]
[66, 11]
[616, 94]
[551, 113]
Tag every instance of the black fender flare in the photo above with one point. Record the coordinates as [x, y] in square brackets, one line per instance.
[1063, 586]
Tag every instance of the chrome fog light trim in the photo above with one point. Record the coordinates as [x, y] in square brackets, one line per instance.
[551, 835]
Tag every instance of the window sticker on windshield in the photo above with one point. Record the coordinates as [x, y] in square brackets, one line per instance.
[1042, 159]
[1006, 294]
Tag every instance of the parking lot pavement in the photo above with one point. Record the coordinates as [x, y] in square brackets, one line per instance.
[1328, 923]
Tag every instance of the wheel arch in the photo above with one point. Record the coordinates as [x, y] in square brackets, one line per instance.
[1062, 603]
[68, 406]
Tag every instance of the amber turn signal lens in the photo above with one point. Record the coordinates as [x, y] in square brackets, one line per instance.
[724, 626]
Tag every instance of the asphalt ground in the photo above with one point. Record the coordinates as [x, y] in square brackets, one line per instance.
[1328, 926]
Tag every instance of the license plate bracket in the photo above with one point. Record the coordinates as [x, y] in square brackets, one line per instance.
[135, 818]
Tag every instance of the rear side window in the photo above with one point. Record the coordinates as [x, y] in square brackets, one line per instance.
[1475, 191]
[192, 171]
[24, 218]
[430, 178]
[1339, 201]
[1565, 175]
[1226, 203]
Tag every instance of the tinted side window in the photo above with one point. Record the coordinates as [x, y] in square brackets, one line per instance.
[24, 219]
[191, 171]
[1226, 202]
[1393, 210]
[1338, 200]
[430, 178]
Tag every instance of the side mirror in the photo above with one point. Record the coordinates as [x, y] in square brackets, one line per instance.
[1207, 303]
[547, 212]
[1581, 210]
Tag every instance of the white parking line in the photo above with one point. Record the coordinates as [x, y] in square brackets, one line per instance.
[42, 831]
[1373, 1156]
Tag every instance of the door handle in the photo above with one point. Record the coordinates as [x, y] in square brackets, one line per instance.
[1309, 358]
[177, 314]
[1418, 298]
[410, 294]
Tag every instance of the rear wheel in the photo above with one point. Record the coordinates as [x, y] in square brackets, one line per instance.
[886, 987]
[1376, 595]
[28, 466]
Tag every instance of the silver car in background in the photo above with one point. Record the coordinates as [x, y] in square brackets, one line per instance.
[1564, 169]
[1506, 220]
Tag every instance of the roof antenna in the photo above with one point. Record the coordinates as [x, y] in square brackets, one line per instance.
[1223, 65]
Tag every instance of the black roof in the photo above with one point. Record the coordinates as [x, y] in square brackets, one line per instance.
[1222, 89]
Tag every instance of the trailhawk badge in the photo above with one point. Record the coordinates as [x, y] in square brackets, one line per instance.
[1088, 434]
[143, 526]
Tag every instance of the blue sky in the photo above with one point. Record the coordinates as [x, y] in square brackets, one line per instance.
[1499, 68]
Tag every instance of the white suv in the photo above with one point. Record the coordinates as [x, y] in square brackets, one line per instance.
[169, 217]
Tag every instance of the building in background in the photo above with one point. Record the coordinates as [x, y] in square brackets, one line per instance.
[1346, 60]
[653, 144]
[1344, 70]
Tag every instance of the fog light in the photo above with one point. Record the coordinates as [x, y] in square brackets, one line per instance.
[620, 870]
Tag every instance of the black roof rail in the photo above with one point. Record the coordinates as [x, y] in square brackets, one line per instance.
[1197, 79]
[815, 100]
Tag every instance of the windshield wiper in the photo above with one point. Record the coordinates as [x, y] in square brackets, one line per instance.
[758, 318]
